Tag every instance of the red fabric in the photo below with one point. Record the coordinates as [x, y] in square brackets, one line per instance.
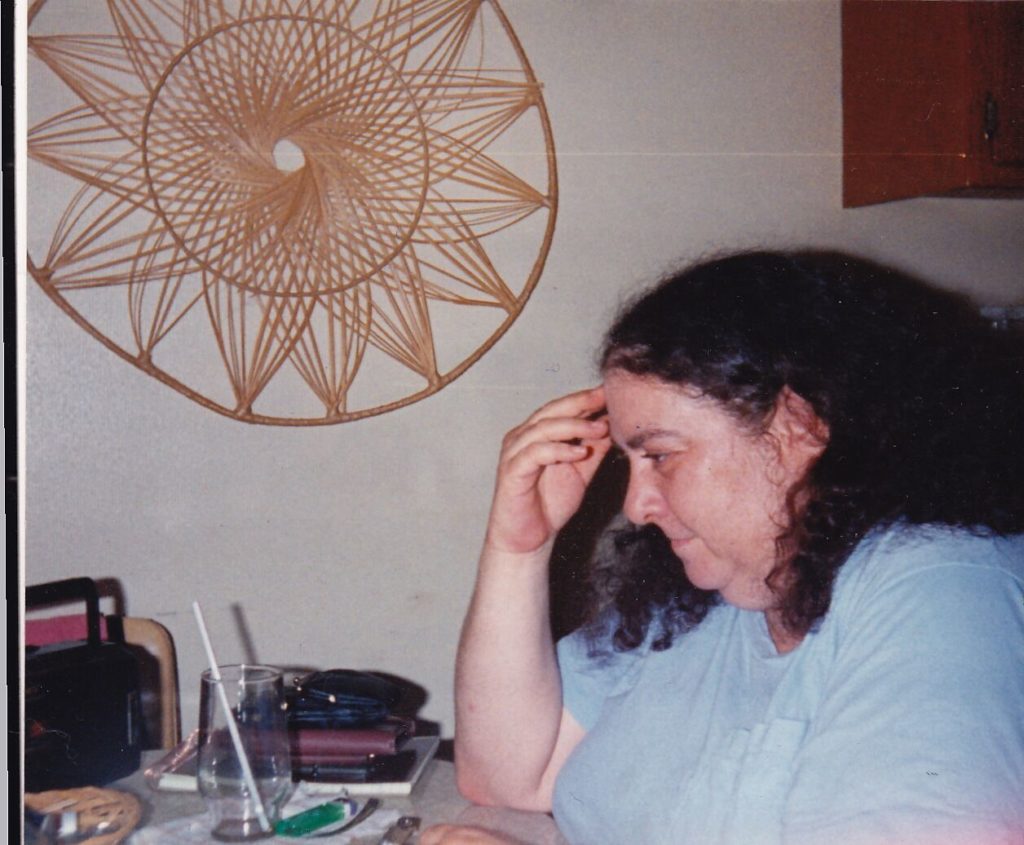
[58, 629]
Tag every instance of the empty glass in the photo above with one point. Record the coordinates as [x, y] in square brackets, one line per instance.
[256, 697]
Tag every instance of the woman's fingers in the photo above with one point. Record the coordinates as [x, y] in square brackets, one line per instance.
[570, 418]
[579, 404]
[596, 450]
[553, 439]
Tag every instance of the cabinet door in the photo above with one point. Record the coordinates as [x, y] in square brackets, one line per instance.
[933, 99]
[999, 30]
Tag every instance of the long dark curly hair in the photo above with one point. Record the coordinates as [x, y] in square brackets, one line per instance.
[924, 400]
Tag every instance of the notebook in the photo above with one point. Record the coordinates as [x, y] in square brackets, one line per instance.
[391, 777]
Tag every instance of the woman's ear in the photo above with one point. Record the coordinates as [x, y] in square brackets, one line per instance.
[800, 432]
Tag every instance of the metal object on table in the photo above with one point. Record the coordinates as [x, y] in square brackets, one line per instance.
[401, 831]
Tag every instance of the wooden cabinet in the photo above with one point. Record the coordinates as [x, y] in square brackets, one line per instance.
[933, 99]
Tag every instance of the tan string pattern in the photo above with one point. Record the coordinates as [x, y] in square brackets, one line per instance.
[293, 188]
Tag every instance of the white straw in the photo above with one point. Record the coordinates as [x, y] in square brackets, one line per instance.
[243, 758]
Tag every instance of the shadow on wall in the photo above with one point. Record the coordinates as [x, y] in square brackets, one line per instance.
[575, 544]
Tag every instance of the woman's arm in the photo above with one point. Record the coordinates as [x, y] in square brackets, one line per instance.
[512, 734]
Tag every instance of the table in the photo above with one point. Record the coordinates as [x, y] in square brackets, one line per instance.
[435, 799]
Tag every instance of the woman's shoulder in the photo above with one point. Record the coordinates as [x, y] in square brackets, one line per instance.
[889, 555]
[931, 544]
[917, 667]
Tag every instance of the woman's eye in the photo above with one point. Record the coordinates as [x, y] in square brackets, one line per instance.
[655, 457]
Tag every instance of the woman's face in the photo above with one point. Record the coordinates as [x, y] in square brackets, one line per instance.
[715, 489]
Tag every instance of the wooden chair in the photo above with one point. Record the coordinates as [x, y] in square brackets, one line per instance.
[156, 640]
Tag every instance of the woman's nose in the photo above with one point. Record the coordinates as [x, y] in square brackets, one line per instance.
[643, 501]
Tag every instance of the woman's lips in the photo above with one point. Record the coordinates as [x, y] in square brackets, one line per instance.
[680, 543]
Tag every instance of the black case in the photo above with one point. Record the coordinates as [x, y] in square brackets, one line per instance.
[82, 721]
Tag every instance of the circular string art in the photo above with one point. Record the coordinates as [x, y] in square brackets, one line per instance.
[296, 212]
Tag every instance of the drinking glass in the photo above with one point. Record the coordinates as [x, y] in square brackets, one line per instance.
[256, 697]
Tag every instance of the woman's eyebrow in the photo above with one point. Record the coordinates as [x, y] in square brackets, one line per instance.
[638, 440]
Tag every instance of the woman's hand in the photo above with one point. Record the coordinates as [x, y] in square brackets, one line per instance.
[546, 464]
[449, 834]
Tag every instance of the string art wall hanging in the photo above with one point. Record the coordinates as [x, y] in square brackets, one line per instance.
[296, 212]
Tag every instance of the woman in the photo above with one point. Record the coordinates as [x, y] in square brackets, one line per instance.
[816, 633]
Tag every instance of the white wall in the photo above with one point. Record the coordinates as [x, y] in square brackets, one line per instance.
[682, 126]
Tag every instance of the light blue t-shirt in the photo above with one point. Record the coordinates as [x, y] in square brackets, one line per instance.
[899, 721]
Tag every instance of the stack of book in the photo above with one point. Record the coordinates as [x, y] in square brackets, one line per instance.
[351, 754]
[344, 729]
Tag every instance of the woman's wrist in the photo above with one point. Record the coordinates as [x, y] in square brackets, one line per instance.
[499, 554]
